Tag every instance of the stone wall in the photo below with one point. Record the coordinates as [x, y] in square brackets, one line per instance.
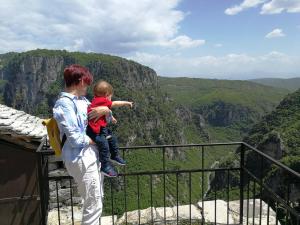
[55, 167]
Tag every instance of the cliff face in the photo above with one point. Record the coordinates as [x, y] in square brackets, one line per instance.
[35, 78]
[278, 136]
[218, 120]
[280, 126]
[225, 114]
[29, 78]
[31, 75]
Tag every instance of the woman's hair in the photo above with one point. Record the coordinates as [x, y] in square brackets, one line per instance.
[74, 73]
[103, 88]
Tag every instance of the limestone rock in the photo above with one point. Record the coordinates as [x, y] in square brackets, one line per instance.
[221, 212]
[66, 217]
[170, 215]
[184, 212]
[235, 210]
[145, 216]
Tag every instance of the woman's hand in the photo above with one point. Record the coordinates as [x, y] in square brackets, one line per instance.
[97, 112]
[92, 142]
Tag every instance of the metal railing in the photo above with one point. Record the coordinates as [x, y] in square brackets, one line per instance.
[181, 175]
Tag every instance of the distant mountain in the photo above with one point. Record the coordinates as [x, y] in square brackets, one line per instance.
[291, 84]
[224, 109]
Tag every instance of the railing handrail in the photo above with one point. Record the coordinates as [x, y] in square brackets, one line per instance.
[182, 145]
[293, 172]
[158, 172]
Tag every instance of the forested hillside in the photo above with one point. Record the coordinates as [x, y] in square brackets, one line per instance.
[223, 109]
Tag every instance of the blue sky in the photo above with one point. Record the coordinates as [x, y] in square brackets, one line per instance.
[225, 39]
[238, 33]
[241, 33]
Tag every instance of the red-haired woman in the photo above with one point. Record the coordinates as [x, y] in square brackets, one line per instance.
[79, 152]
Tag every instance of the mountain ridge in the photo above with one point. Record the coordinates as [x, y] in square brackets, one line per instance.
[291, 84]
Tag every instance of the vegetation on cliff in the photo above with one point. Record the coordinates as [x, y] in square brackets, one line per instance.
[228, 108]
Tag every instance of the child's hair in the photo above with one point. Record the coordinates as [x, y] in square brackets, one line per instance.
[103, 88]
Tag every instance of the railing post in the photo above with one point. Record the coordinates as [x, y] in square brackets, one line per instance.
[164, 169]
[41, 187]
[242, 163]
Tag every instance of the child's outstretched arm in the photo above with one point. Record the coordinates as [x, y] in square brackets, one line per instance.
[121, 103]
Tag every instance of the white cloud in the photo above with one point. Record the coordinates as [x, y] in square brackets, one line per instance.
[179, 42]
[278, 6]
[183, 41]
[246, 4]
[268, 6]
[218, 45]
[92, 25]
[275, 33]
[230, 66]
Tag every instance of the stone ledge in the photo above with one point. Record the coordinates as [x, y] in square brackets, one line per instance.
[146, 216]
[66, 217]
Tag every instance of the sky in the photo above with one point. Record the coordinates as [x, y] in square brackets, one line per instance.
[222, 39]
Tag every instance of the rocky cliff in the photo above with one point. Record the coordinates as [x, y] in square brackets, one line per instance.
[278, 136]
[29, 78]
[31, 74]
[222, 114]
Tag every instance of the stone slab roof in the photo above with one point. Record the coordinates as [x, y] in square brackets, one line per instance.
[16, 126]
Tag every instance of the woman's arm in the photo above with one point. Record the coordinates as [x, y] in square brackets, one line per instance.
[97, 112]
[66, 118]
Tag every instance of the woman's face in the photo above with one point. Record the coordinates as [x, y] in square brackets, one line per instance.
[82, 88]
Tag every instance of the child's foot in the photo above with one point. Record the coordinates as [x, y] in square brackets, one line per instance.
[108, 137]
[109, 171]
[118, 160]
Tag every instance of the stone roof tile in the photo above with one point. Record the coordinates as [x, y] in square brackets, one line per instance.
[19, 124]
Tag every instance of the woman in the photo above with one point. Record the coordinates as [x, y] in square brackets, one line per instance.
[79, 152]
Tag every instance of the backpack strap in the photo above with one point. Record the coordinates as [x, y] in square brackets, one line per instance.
[72, 101]
[64, 138]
